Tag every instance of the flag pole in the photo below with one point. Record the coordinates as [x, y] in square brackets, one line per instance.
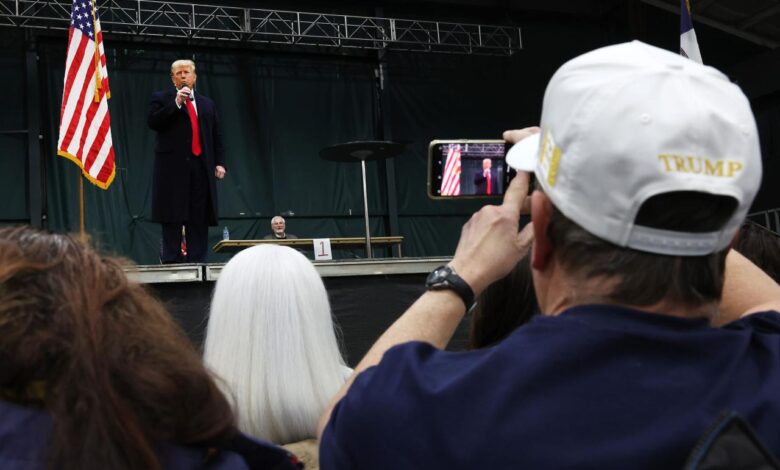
[82, 232]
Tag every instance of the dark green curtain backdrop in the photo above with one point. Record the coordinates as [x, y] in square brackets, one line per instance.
[13, 124]
[276, 113]
[441, 96]
[278, 109]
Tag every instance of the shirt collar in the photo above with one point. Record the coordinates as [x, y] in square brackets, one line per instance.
[616, 316]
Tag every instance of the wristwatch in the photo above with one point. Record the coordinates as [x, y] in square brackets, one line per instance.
[444, 277]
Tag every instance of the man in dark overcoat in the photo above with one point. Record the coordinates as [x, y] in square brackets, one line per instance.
[188, 159]
[486, 179]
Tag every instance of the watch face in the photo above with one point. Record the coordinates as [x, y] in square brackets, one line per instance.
[437, 276]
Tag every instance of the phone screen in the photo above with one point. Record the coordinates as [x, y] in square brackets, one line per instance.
[468, 168]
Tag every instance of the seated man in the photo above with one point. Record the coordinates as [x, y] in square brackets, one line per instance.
[277, 230]
[647, 164]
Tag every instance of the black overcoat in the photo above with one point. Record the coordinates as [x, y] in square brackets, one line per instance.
[172, 151]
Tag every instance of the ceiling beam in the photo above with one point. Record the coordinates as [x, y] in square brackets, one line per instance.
[757, 18]
[699, 7]
[754, 38]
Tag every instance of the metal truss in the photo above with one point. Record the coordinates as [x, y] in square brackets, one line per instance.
[769, 219]
[252, 25]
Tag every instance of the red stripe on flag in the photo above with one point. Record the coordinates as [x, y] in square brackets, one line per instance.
[97, 144]
[71, 86]
[95, 148]
[450, 185]
[106, 172]
[104, 77]
[68, 78]
[77, 98]
[92, 109]
[77, 117]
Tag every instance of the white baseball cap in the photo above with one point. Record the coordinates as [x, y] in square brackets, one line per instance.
[627, 122]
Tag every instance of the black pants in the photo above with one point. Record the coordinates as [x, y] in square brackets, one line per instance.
[196, 224]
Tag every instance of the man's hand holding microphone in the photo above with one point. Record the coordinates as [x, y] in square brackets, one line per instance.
[184, 94]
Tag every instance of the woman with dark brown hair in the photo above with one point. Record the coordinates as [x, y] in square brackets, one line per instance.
[94, 373]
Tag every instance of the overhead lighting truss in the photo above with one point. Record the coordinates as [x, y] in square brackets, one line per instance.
[187, 21]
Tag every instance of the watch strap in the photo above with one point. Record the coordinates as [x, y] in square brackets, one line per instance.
[444, 277]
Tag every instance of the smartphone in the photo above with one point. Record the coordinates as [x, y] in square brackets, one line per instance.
[468, 169]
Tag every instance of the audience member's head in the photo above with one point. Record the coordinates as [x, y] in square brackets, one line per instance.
[505, 305]
[647, 164]
[278, 225]
[105, 360]
[271, 339]
[761, 246]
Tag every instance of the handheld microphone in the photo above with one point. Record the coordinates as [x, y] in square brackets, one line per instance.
[189, 95]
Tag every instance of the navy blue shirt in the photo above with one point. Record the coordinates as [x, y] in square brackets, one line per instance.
[595, 387]
[25, 435]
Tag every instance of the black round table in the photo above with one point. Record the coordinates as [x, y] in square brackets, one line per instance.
[363, 151]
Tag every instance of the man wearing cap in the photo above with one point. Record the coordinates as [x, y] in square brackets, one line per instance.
[646, 165]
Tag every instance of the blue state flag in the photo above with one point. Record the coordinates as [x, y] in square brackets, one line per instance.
[689, 46]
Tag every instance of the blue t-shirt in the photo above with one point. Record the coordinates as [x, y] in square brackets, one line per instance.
[25, 434]
[595, 387]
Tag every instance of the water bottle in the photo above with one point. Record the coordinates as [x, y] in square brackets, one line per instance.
[225, 234]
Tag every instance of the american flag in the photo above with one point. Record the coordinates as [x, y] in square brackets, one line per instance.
[450, 182]
[85, 125]
[689, 46]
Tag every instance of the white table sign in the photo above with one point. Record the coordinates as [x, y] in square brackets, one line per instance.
[322, 249]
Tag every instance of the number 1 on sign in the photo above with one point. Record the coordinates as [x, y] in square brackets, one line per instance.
[322, 249]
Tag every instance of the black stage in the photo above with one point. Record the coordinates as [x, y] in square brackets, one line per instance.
[366, 296]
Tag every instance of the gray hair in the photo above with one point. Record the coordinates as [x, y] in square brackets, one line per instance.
[643, 278]
[272, 341]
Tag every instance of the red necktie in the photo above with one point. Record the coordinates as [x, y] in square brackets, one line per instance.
[489, 187]
[196, 129]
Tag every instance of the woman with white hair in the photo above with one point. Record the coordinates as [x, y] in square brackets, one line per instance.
[271, 340]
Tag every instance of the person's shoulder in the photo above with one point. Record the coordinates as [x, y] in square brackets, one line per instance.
[268, 237]
[412, 379]
[761, 322]
[292, 237]
[407, 372]
[20, 431]
[400, 363]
